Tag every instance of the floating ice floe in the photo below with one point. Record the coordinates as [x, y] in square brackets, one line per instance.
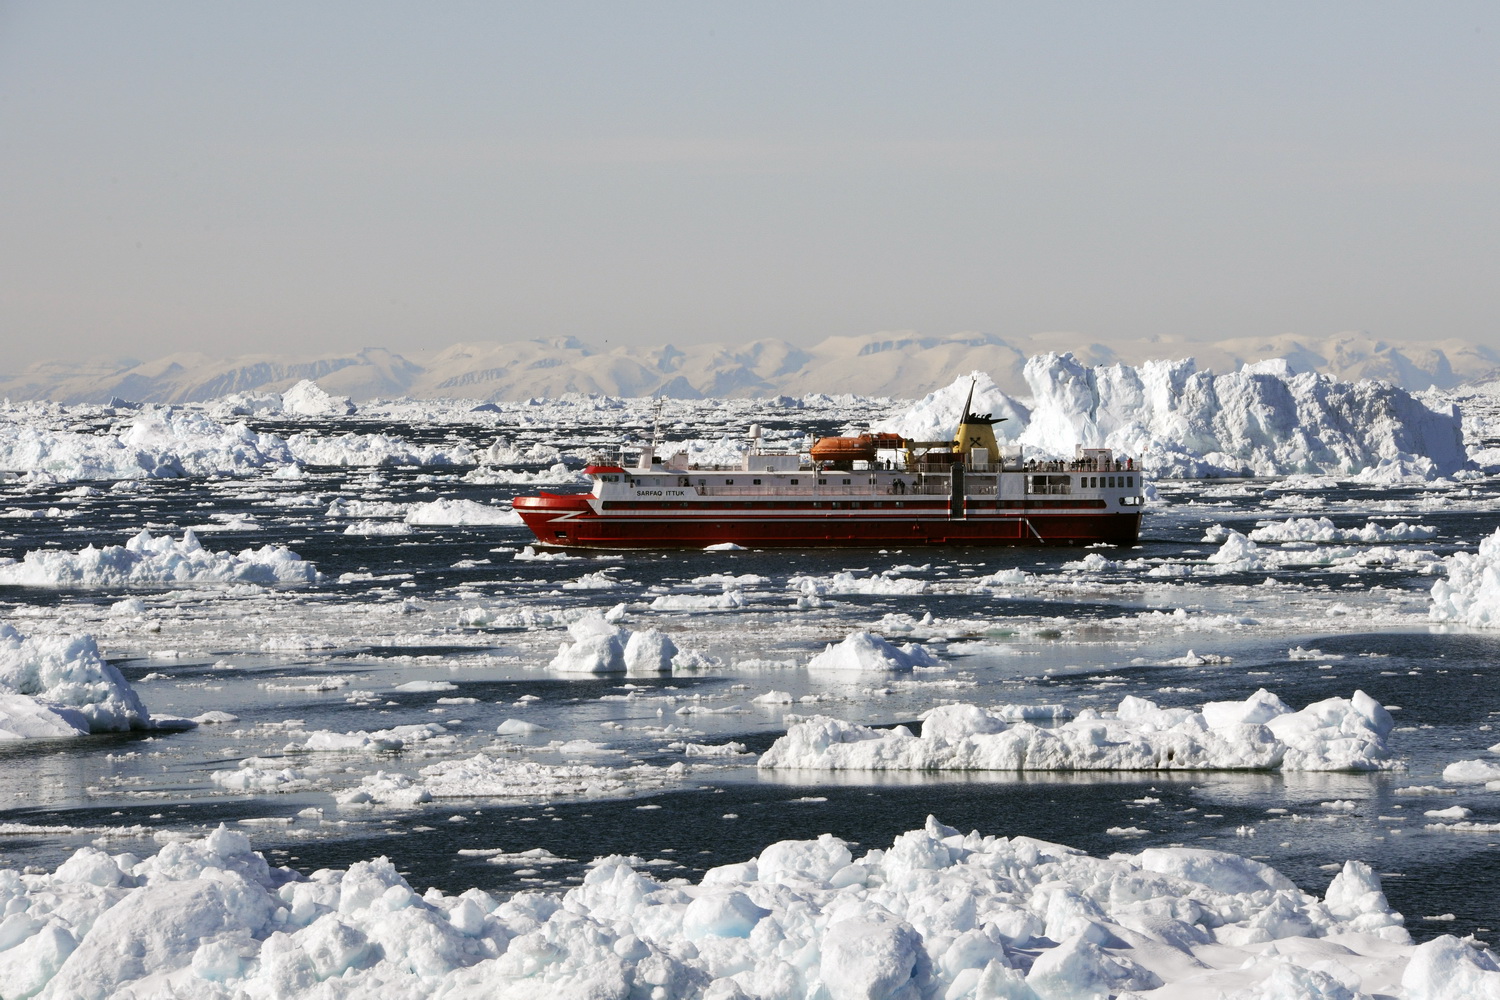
[729, 600]
[1192, 659]
[460, 512]
[395, 738]
[378, 528]
[1321, 529]
[151, 561]
[849, 583]
[867, 652]
[1259, 733]
[486, 776]
[1470, 594]
[56, 686]
[1237, 553]
[210, 918]
[1472, 771]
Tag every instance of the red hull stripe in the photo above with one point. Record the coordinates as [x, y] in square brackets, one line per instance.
[570, 521]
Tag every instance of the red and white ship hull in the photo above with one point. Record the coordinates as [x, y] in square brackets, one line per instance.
[661, 507]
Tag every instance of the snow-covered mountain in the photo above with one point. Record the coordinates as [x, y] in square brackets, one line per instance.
[899, 364]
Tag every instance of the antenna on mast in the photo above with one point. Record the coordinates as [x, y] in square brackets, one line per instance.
[648, 456]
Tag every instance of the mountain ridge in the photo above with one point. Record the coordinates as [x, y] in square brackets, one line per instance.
[903, 364]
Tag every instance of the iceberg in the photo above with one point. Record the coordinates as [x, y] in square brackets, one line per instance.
[56, 686]
[1179, 422]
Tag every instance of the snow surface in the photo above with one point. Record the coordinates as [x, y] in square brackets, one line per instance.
[936, 914]
[148, 561]
[1260, 733]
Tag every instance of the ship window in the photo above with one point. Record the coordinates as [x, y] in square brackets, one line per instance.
[610, 479]
[755, 482]
[846, 482]
[822, 482]
[729, 482]
[1129, 480]
[794, 482]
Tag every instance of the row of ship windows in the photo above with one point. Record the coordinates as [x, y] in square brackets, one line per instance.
[686, 481]
[1084, 482]
[784, 505]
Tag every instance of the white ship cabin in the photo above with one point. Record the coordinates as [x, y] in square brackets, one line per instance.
[974, 470]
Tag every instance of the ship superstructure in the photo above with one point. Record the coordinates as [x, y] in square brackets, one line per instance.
[867, 489]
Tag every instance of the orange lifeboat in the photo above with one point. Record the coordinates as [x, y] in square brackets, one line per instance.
[843, 450]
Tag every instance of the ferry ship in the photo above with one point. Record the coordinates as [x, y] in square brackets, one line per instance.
[864, 490]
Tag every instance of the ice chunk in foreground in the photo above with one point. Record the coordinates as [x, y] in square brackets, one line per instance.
[60, 686]
[1471, 593]
[1260, 733]
[936, 914]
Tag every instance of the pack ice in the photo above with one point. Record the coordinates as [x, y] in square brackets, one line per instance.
[53, 686]
[937, 914]
[1259, 733]
[1179, 422]
[148, 560]
[159, 443]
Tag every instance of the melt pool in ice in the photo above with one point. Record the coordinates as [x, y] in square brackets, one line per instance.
[1259, 733]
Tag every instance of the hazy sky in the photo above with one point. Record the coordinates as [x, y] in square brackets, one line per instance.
[320, 176]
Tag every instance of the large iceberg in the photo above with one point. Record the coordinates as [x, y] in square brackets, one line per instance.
[1259, 733]
[1178, 421]
[53, 686]
[936, 914]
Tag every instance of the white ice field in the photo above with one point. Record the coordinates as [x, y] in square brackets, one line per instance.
[290, 707]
